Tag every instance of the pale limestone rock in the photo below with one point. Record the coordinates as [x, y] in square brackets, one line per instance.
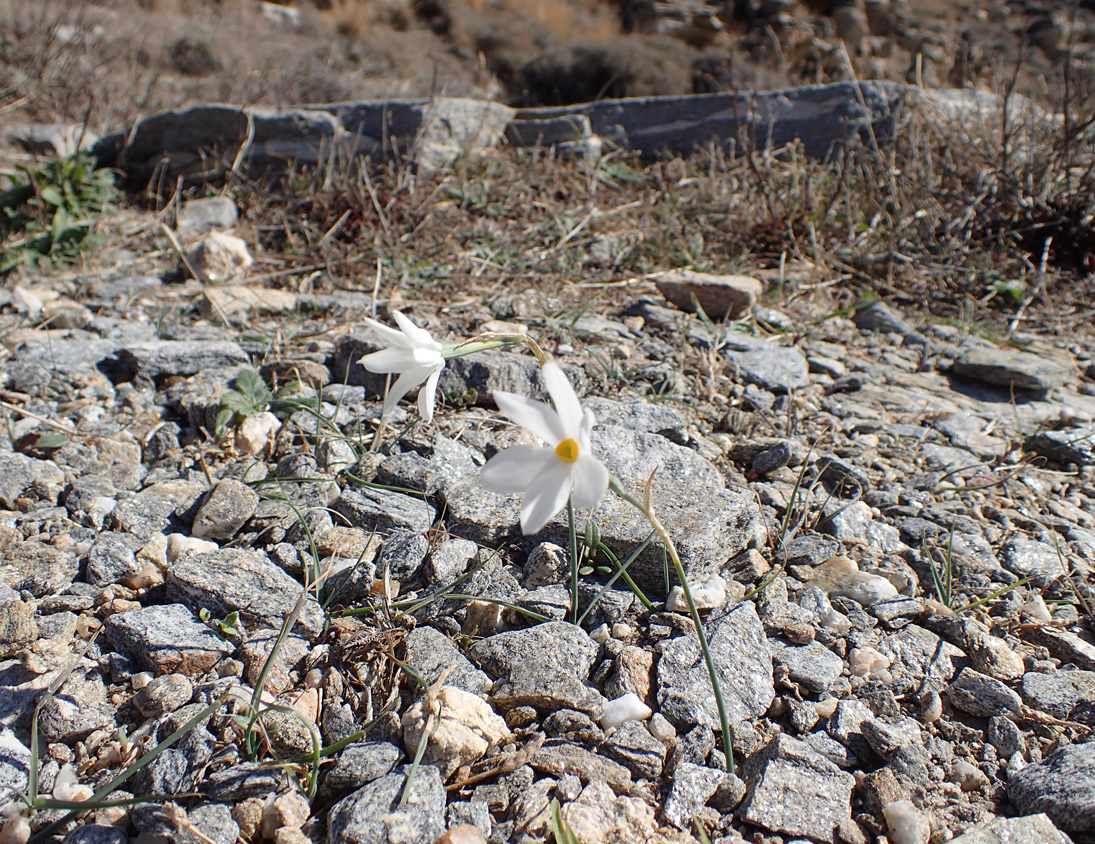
[466, 729]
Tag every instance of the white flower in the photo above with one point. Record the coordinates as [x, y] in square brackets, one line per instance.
[414, 355]
[548, 474]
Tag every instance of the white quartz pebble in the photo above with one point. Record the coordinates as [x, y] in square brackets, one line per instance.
[626, 708]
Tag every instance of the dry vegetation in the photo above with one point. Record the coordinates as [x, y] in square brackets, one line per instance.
[995, 230]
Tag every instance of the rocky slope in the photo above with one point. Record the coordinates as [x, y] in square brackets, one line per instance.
[890, 525]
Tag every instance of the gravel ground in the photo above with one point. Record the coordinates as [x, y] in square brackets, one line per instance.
[888, 523]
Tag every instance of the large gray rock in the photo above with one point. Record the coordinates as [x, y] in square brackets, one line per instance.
[243, 581]
[372, 814]
[166, 639]
[431, 652]
[384, 510]
[770, 366]
[1006, 367]
[1061, 785]
[744, 667]
[160, 358]
[544, 666]
[795, 791]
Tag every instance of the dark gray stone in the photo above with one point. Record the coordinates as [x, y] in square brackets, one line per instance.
[740, 654]
[545, 666]
[1061, 785]
[383, 510]
[166, 639]
[224, 510]
[246, 779]
[633, 747]
[978, 694]
[111, 560]
[557, 759]
[794, 791]
[371, 814]
[94, 833]
[197, 216]
[19, 474]
[1006, 367]
[691, 788]
[160, 358]
[431, 652]
[813, 666]
[247, 582]
[357, 765]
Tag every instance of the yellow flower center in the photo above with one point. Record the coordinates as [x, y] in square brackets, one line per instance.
[567, 450]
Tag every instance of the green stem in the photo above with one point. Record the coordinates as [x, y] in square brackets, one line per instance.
[678, 567]
[490, 340]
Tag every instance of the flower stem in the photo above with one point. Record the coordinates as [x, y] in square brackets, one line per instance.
[667, 540]
[573, 562]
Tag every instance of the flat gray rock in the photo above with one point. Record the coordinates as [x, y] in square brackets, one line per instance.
[372, 815]
[692, 787]
[559, 759]
[358, 765]
[152, 510]
[14, 765]
[197, 216]
[1062, 786]
[159, 358]
[1006, 367]
[770, 366]
[544, 666]
[740, 653]
[794, 791]
[632, 745]
[224, 510]
[384, 510]
[813, 666]
[1068, 695]
[1030, 558]
[247, 582]
[1033, 829]
[167, 639]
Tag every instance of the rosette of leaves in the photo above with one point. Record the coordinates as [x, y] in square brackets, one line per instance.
[250, 396]
[47, 214]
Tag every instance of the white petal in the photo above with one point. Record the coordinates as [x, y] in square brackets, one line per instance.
[537, 416]
[590, 481]
[403, 385]
[396, 338]
[391, 359]
[514, 469]
[428, 395]
[546, 496]
[585, 436]
[564, 398]
[418, 336]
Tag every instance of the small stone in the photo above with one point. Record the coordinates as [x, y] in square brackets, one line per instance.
[290, 809]
[255, 435]
[219, 258]
[967, 776]
[626, 708]
[841, 577]
[1068, 695]
[692, 787]
[359, 764]
[600, 817]
[163, 694]
[558, 759]
[1005, 736]
[1068, 445]
[17, 627]
[225, 510]
[721, 297]
[632, 673]
[1033, 829]
[636, 749]
[197, 216]
[708, 595]
[906, 824]
[979, 695]
[431, 652]
[812, 666]
[544, 666]
[1010, 368]
[795, 791]
[179, 544]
